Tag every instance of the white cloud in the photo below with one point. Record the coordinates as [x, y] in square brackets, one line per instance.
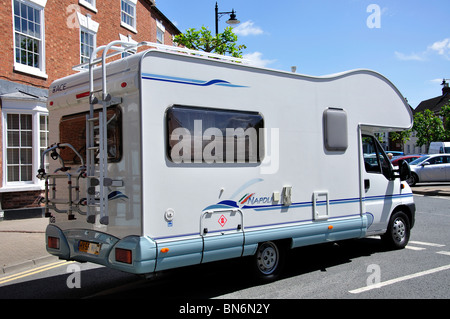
[441, 47]
[409, 57]
[247, 28]
[256, 59]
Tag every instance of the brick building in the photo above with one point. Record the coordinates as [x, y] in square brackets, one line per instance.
[435, 105]
[42, 40]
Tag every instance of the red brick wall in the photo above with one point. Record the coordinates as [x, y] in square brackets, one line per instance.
[21, 200]
[62, 51]
[62, 37]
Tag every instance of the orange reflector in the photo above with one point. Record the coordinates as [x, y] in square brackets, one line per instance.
[164, 250]
[330, 227]
[124, 255]
[53, 242]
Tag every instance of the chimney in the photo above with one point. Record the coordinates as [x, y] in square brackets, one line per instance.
[445, 90]
[445, 87]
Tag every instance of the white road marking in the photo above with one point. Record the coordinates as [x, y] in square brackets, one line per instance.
[443, 253]
[414, 248]
[396, 280]
[425, 244]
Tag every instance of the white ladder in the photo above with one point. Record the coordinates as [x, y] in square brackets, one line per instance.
[97, 173]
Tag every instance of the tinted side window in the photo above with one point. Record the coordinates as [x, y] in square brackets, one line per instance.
[206, 135]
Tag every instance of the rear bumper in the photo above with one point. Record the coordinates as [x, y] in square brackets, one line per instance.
[143, 249]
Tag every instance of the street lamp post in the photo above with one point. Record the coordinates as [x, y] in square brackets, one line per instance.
[232, 19]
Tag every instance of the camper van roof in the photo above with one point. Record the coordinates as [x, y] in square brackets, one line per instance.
[369, 92]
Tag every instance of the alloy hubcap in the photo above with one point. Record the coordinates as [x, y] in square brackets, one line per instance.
[399, 230]
[267, 258]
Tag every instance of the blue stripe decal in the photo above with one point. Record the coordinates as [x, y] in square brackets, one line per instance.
[177, 80]
[225, 204]
[321, 203]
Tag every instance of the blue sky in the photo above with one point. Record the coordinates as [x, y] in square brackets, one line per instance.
[408, 41]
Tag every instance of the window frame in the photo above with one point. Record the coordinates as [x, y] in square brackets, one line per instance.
[21, 143]
[126, 25]
[160, 30]
[40, 70]
[94, 44]
[87, 4]
[35, 108]
[89, 26]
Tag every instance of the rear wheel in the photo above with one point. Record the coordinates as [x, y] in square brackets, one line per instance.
[398, 232]
[269, 260]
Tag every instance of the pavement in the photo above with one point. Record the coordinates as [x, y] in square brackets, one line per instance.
[22, 245]
[22, 241]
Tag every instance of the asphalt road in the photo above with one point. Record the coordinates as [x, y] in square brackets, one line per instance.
[346, 270]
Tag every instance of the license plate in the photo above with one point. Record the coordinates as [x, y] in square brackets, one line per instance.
[88, 247]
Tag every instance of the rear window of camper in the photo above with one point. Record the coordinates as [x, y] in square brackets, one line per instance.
[206, 135]
[72, 130]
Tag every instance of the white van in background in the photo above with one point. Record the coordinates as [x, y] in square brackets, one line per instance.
[439, 148]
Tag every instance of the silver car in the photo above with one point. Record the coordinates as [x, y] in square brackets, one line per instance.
[430, 168]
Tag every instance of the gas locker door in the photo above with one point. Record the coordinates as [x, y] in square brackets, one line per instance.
[223, 234]
[378, 186]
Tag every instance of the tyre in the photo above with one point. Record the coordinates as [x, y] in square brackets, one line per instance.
[269, 261]
[413, 179]
[398, 231]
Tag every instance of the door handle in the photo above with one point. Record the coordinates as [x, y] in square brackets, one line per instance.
[366, 184]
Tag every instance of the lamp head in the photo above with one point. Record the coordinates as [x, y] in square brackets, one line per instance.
[233, 19]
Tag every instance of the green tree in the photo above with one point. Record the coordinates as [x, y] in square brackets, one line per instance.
[401, 136]
[202, 40]
[445, 114]
[428, 127]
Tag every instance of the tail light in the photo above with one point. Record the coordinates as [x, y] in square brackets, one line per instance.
[124, 255]
[53, 242]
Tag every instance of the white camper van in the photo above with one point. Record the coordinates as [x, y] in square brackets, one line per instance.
[172, 157]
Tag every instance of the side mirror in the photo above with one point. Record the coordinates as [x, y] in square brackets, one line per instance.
[425, 163]
[404, 170]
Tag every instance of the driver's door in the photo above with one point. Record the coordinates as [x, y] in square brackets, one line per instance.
[378, 184]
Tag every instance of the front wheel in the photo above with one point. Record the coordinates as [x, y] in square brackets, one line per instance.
[269, 260]
[413, 179]
[398, 232]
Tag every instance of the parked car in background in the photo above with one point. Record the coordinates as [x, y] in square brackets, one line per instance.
[430, 168]
[407, 158]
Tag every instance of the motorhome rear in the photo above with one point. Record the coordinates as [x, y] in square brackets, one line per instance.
[185, 158]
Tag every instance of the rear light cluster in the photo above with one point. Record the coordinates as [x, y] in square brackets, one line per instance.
[53, 242]
[124, 255]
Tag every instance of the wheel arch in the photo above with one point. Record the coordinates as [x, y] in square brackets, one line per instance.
[409, 210]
